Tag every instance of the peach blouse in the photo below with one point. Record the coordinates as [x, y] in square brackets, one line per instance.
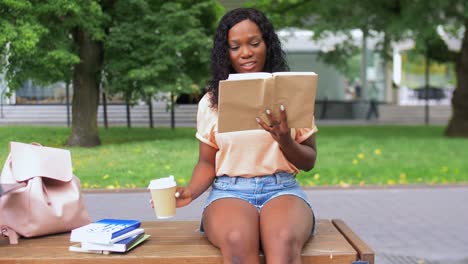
[247, 153]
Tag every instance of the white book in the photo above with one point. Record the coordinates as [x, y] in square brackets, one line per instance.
[265, 75]
[249, 76]
[120, 246]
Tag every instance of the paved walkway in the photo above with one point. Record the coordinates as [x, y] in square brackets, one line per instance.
[403, 224]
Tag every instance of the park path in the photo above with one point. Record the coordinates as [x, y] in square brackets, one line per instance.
[418, 224]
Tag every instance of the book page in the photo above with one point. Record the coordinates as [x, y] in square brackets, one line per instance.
[293, 73]
[249, 76]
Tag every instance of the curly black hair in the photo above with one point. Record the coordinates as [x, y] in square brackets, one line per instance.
[221, 65]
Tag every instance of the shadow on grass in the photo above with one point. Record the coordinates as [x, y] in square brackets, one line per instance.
[57, 136]
[376, 132]
[121, 135]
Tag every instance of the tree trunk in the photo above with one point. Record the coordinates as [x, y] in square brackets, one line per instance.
[458, 124]
[67, 92]
[86, 79]
[426, 89]
[127, 110]
[172, 111]
[150, 111]
[104, 109]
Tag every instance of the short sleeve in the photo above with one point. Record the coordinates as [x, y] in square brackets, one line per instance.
[206, 122]
[304, 133]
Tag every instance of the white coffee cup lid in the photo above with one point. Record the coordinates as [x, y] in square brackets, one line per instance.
[162, 183]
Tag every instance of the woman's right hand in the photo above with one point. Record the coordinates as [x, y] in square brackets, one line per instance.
[184, 196]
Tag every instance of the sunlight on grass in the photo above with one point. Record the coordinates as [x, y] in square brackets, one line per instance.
[347, 156]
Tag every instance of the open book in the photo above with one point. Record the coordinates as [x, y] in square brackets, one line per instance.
[245, 96]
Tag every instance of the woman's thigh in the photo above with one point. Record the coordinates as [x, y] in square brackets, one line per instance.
[285, 218]
[230, 220]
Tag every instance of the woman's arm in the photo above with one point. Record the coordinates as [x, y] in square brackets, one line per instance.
[202, 176]
[303, 154]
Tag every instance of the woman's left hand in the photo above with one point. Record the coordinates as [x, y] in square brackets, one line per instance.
[278, 127]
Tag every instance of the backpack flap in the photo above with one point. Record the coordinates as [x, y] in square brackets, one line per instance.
[30, 161]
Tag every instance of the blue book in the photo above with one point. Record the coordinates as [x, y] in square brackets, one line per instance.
[103, 231]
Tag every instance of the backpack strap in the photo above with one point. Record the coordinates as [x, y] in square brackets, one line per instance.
[11, 234]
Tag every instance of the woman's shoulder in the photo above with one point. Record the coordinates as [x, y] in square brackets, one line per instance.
[205, 101]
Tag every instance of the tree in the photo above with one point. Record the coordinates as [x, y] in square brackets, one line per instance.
[176, 60]
[339, 18]
[52, 41]
[433, 48]
[57, 41]
[396, 20]
[423, 18]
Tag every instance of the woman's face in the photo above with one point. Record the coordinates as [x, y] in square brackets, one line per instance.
[247, 50]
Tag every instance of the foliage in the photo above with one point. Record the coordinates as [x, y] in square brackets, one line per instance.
[361, 155]
[152, 42]
[345, 58]
[396, 20]
[423, 19]
[159, 46]
[139, 46]
[35, 38]
[336, 19]
[389, 21]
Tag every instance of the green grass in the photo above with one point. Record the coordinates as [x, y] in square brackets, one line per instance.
[347, 155]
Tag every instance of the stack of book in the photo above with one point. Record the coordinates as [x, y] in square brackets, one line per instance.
[108, 235]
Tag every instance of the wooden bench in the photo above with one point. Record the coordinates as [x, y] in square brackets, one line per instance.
[180, 242]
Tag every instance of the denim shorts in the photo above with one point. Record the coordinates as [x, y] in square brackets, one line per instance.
[257, 190]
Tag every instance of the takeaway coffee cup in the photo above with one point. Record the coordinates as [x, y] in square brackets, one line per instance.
[163, 193]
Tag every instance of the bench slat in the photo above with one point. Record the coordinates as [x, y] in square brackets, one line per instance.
[174, 242]
[364, 251]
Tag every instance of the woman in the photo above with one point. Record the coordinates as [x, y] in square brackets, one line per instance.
[255, 202]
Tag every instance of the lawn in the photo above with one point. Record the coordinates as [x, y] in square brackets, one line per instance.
[347, 155]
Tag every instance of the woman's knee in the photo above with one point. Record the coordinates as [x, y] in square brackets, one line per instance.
[239, 239]
[238, 246]
[284, 245]
[288, 238]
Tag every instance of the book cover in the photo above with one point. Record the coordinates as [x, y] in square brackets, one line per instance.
[245, 96]
[103, 231]
[119, 246]
[104, 250]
